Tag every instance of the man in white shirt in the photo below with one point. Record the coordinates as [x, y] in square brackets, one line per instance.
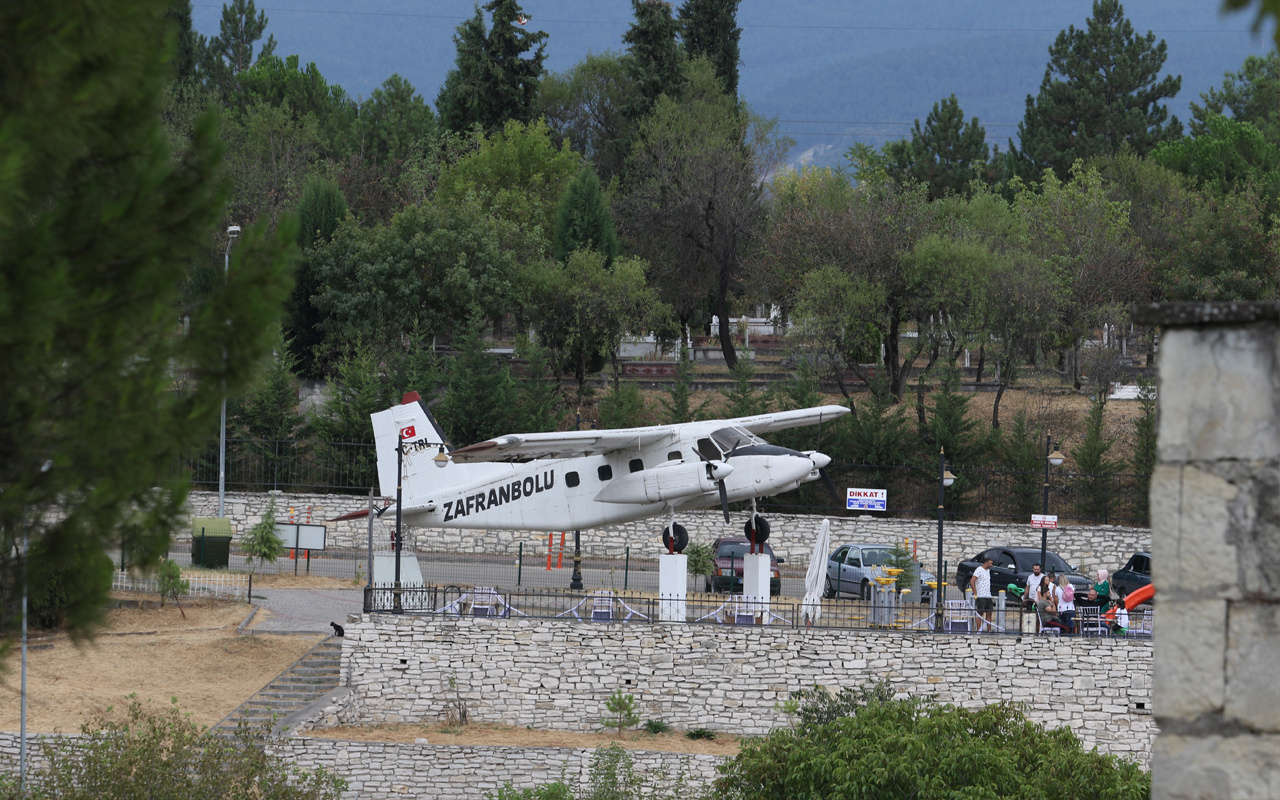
[1033, 585]
[980, 582]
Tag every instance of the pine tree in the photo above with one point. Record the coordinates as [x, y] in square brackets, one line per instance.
[1020, 452]
[743, 400]
[583, 220]
[541, 406]
[320, 211]
[1143, 461]
[709, 28]
[1101, 91]
[945, 155]
[98, 224]
[493, 79]
[231, 52]
[678, 405]
[480, 401]
[654, 61]
[187, 43]
[1091, 487]
[962, 438]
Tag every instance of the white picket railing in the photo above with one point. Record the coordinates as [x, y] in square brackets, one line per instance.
[199, 584]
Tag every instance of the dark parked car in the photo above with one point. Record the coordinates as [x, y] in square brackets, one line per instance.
[1133, 575]
[1013, 565]
[726, 566]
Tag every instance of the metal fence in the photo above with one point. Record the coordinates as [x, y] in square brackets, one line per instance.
[980, 493]
[199, 584]
[884, 612]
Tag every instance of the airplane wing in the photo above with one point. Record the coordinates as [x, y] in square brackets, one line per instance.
[782, 420]
[564, 444]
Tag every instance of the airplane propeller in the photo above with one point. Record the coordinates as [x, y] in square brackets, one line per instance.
[717, 471]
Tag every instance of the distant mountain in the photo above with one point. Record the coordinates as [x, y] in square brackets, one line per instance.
[833, 72]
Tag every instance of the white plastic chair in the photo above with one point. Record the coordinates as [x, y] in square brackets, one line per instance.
[1091, 622]
[957, 616]
[602, 605]
[485, 602]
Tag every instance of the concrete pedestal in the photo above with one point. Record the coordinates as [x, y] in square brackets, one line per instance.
[755, 579]
[673, 587]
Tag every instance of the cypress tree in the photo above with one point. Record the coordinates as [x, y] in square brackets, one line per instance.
[1092, 486]
[1101, 91]
[583, 219]
[654, 61]
[320, 211]
[710, 29]
[480, 401]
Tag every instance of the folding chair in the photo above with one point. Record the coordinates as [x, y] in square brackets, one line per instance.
[602, 606]
[957, 616]
[741, 610]
[485, 602]
[1089, 618]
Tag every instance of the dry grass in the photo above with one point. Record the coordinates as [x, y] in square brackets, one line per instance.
[499, 735]
[155, 654]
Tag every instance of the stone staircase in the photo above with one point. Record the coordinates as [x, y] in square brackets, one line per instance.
[317, 673]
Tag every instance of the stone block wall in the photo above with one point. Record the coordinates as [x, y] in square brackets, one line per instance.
[551, 675]
[380, 770]
[793, 536]
[1215, 498]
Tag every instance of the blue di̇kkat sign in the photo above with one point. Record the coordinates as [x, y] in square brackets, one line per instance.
[867, 500]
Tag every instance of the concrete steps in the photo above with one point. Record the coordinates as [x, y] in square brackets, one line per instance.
[314, 675]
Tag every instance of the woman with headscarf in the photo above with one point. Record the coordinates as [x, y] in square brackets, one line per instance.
[1101, 591]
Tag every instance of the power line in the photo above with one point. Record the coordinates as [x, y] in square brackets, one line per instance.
[625, 23]
[860, 122]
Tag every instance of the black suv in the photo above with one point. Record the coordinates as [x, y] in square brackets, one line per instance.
[1013, 565]
[1134, 575]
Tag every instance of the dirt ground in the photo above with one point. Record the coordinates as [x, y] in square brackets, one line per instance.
[498, 735]
[153, 653]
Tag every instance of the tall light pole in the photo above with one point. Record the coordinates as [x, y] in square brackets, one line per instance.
[945, 479]
[22, 723]
[397, 605]
[1051, 456]
[232, 233]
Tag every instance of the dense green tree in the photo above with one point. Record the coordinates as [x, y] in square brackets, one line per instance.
[320, 211]
[480, 398]
[709, 28]
[622, 407]
[395, 122]
[282, 82]
[98, 222]
[654, 62]
[187, 45]
[495, 76]
[1101, 91]
[231, 52]
[541, 406]
[834, 326]
[945, 155]
[271, 154]
[678, 404]
[1230, 251]
[741, 398]
[583, 219]
[434, 266]
[966, 441]
[517, 174]
[1091, 488]
[1021, 453]
[1142, 463]
[1024, 301]
[584, 106]
[691, 203]
[1224, 157]
[269, 410]
[1250, 95]
[583, 309]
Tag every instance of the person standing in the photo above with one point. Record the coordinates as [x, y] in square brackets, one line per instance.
[980, 583]
[1033, 584]
[1067, 603]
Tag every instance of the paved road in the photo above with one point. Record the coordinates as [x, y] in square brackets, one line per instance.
[306, 610]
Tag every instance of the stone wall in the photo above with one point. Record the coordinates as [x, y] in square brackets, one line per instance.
[377, 770]
[793, 536]
[1215, 498]
[551, 675]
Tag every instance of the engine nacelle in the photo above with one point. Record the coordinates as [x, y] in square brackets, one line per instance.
[668, 481]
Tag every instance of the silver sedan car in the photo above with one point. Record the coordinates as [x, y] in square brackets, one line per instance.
[853, 568]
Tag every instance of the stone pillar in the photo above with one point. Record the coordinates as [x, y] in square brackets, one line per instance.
[1215, 519]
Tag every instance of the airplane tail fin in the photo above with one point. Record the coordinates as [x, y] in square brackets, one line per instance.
[423, 439]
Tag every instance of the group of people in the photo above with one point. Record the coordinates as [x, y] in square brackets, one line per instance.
[1052, 597]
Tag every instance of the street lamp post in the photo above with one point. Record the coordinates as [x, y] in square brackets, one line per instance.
[575, 580]
[1051, 456]
[232, 232]
[945, 479]
[397, 605]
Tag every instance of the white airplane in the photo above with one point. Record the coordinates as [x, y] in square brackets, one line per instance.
[575, 480]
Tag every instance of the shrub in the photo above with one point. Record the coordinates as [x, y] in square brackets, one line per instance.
[172, 586]
[699, 554]
[262, 544]
[911, 748]
[700, 733]
[56, 584]
[656, 726]
[819, 706]
[163, 755]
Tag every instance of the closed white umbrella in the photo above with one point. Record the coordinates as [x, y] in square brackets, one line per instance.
[814, 579]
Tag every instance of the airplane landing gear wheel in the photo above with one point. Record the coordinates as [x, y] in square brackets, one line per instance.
[761, 529]
[681, 538]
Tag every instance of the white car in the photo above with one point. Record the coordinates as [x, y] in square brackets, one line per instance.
[853, 568]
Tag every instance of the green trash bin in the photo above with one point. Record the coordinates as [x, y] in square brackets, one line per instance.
[211, 543]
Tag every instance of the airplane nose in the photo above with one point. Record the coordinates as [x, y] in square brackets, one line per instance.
[820, 460]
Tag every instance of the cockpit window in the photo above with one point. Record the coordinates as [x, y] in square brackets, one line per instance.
[729, 438]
